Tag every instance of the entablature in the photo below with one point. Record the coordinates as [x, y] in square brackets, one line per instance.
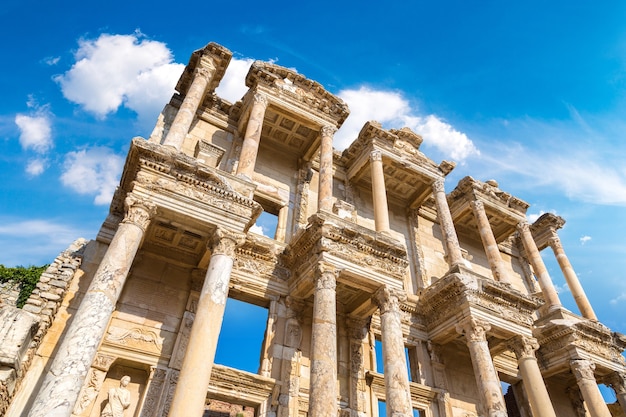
[212, 56]
[545, 227]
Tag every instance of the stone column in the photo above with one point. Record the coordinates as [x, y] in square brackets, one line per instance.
[323, 390]
[543, 277]
[187, 111]
[540, 403]
[583, 371]
[572, 280]
[252, 137]
[325, 190]
[489, 242]
[397, 390]
[617, 381]
[62, 385]
[450, 239]
[195, 373]
[379, 192]
[487, 381]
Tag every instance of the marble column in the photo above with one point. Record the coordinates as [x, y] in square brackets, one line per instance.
[450, 238]
[583, 371]
[487, 381]
[187, 111]
[541, 272]
[325, 190]
[540, 403]
[195, 373]
[489, 242]
[379, 192]
[397, 390]
[252, 136]
[572, 280]
[617, 381]
[323, 389]
[63, 382]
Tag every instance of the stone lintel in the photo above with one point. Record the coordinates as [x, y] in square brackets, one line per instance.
[242, 387]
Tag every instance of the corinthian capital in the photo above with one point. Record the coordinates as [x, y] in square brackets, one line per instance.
[523, 227]
[326, 276]
[478, 205]
[583, 369]
[524, 347]
[438, 185]
[554, 242]
[204, 72]
[224, 242]
[376, 155]
[138, 211]
[388, 299]
[475, 330]
[328, 130]
[260, 99]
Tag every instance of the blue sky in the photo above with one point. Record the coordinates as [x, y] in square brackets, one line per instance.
[529, 93]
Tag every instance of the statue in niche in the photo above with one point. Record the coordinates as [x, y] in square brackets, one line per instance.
[119, 400]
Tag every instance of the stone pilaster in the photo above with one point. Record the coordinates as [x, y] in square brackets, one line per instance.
[487, 381]
[450, 238]
[187, 111]
[540, 403]
[323, 390]
[583, 371]
[252, 137]
[617, 381]
[195, 374]
[489, 242]
[541, 272]
[358, 331]
[325, 191]
[63, 383]
[572, 279]
[379, 192]
[397, 390]
[291, 360]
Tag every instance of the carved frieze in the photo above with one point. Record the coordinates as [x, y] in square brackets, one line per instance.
[137, 338]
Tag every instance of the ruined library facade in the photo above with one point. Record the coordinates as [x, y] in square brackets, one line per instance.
[368, 250]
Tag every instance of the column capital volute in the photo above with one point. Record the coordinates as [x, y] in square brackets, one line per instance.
[439, 185]
[388, 299]
[260, 98]
[139, 211]
[225, 242]
[523, 346]
[583, 369]
[475, 330]
[328, 131]
[326, 276]
[376, 155]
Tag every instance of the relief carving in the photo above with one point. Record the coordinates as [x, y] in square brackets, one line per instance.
[136, 337]
[154, 393]
[138, 211]
[90, 390]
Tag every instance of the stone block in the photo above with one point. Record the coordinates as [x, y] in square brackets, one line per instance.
[32, 309]
[17, 328]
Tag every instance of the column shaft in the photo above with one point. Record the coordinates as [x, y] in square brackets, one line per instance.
[572, 280]
[540, 403]
[323, 390]
[379, 193]
[487, 380]
[62, 385]
[397, 389]
[583, 371]
[325, 191]
[195, 373]
[543, 277]
[187, 111]
[252, 137]
[489, 242]
[450, 238]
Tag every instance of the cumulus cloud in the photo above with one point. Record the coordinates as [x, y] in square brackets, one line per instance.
[52, 60]
[584, 239]
[392, 109]
[121, 70]
[35, 129]
[36, 166]
[233, 85]
[93, 171]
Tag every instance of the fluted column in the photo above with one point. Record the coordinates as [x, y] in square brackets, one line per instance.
[252, 137]
[195, 373]
[487, 380]
[323, 389]
[184, 117]
[489, 242]
[450, 238]
[543, 277]
[617, 381]
[325, 191]
[540, 403]
[397, 390]
[572, 280]
[379, 192]
[62, 385]
[583, 371]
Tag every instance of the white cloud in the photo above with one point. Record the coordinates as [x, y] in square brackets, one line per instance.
[392, 109]
[584, 239]
[35, 131]
[52, 60]
[116, 70]
[233, 85]
[255, 228]
[620, 298]
[36, 166]
[93, 171]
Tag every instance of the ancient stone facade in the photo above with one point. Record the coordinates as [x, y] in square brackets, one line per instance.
[367, 247]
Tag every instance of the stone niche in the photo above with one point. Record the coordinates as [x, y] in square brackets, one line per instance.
[138, 378]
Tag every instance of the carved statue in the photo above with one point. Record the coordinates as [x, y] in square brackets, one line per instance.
[119, 400]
